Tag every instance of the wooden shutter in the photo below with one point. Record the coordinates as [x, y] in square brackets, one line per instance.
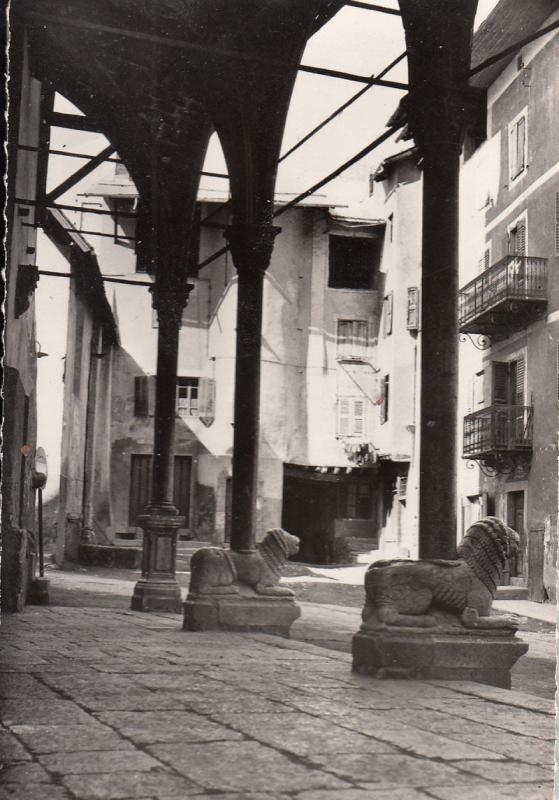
[386, 397]
[206, 401]
[520, 145]
[141, 396]
[140, 482]
[358, 417]
[388, 309]
[344, 337]
[412, 320]
[181, 486]
[500, 383]
[521, 239]
[343, 416]
[518, 388]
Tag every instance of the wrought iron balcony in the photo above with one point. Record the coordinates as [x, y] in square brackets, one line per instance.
[504, 297]
[498, 432]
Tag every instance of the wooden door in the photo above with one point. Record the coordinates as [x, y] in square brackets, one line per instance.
[181, 486]
[140, 483]
[515, 519]
[228, 508]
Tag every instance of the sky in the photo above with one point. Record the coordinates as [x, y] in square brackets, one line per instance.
[355, 40]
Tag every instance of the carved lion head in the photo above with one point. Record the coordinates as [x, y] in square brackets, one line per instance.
[490, 538]
[276, 547]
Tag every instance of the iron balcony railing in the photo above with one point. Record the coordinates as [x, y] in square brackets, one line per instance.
[498, 429]
[521, 278]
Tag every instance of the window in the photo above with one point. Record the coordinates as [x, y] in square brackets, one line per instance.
[352, 339]
[517, 146]
[508, 382]
[124, 224]
[353, 262]
[187, 397]
[142, 395]
[354, 500]
[485, 261]
[387, 310]
[516, 238]
[412, 315]
[83, 213]
[351, 416]
[383, 405]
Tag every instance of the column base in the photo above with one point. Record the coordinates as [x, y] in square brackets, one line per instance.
[241, 612]
[458, 654]
[157, 589]
[38, 594]
[153, 595]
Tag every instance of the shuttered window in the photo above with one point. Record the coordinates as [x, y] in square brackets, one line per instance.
[412, 319]
[485, 261]
[385, 399]
[352, 339]
[517, 147]
[388, 308]
[187, 397]
[517, 239]
[351, 416]
[508, 382]
[141, 396]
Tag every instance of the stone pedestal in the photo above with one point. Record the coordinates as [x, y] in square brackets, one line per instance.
[38, 594]
[240, 612]
[158, 590]
[448, 652]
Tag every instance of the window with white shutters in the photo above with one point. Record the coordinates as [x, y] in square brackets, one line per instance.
[352, 339]
[351, 416]
[387, 313]
[517, 147]
[187, 397]
[412, 318]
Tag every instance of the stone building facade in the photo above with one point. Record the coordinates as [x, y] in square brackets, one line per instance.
[509, 299]
[19, 431]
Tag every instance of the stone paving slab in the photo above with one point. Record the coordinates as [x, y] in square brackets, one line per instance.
[146, 711]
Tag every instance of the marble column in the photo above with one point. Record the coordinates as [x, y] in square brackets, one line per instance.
[251, 248]
[158, 590]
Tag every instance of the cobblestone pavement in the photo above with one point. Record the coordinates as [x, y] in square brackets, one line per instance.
[101, 703]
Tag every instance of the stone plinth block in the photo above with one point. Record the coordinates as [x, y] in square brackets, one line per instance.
[158, 590]
[39, 592]
[240, 612]
[154, 595]
[453, 654]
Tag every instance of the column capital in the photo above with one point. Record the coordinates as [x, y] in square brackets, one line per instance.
[251, 245]
[437, 116]
[170, 295]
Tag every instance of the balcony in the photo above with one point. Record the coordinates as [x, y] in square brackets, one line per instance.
[505, 297]
[497, 433]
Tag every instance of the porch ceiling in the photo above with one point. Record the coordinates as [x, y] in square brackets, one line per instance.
[154, 76]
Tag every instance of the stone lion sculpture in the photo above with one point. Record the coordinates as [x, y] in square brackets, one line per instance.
[217, 571]
[402, 593]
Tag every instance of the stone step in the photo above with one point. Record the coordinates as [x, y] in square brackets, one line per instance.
[359, 545]
[511, 593]
[185, 550]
